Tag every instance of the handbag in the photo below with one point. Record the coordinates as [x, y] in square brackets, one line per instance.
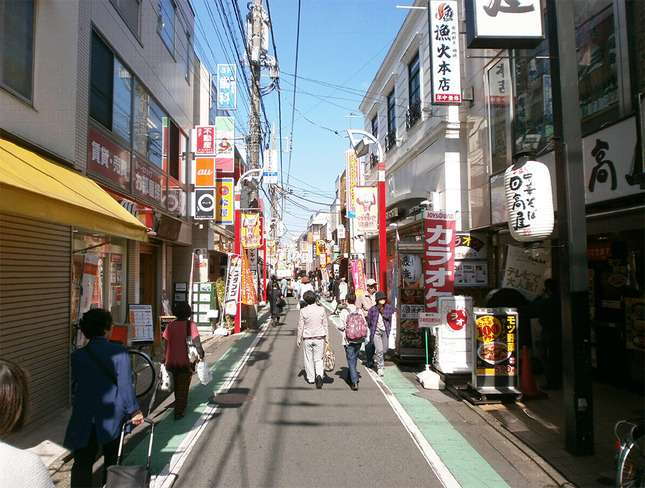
[204, 373]
[329, 358]
[193, 355]
[281, 303]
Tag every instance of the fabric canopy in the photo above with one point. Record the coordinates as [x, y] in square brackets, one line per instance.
[35, 187]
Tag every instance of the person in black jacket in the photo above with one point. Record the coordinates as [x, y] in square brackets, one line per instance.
[547, 309]
[275, 295]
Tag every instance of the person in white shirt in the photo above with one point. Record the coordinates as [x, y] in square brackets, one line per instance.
[342, 291]
[313, 334]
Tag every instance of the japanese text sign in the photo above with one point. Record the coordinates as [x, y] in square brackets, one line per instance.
[366, 208]
[224, 201]
[251, 230]
[439, 257]
[226, 87]
[515, 24]
[496, 336]
[108, 159]
[444, 50]
[353, 179]
[205, 140]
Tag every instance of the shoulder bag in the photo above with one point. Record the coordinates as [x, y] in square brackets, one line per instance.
[193, 355]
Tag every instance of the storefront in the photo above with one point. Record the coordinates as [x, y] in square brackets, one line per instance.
[44, 210]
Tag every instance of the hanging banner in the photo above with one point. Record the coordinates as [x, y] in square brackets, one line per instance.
[251, 230]
[226, 87]
[443, 20]
[352, 179]
[225, 144]
[524, 270]
[358, 277]
[247, 291]
[224, 202]
[439, 257]
[233, 277]
[366, 208]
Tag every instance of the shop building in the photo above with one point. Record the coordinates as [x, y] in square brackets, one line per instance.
[96, 105]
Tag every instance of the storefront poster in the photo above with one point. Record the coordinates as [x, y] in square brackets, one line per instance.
[439, 253]
[525, 270]
[412, 303]
[454, 335]
[143, 326]
[90, 274]
[495, 342]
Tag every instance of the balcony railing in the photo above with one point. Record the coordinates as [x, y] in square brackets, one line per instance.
[413, 114]
[390, 140]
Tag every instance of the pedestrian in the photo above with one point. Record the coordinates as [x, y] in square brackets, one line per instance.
[313, 334]
[379, 321]
[547, 308]
[351, 348]
[304, 288]
[17, 467]
[175, 352]
[283, 285]
[104, 399]
[342, 291]
[275, 295]
[364, 302]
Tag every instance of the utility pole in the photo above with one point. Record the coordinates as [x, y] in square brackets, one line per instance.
[256, 21]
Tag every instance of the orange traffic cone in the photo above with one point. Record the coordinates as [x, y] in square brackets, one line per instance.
[527, 382]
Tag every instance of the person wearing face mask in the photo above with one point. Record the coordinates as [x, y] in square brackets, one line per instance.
[379, 321]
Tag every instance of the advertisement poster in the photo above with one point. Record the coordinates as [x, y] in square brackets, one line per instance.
[358, 277]
[90, 272]
[525, 270]
[353, 179]
[247, 292]
[439, 254]
[366, 208]
[251, 230]
[224, 144]
[412, 303]
[495, 342]
[233, 278]
[141, 317]
[455, 335]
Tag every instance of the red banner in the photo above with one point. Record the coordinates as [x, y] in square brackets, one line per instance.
[439, 257]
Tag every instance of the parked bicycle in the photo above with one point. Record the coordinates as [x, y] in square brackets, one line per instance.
[630, 454]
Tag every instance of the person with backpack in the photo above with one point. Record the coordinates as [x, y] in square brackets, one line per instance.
[354, 328]
[379, 320]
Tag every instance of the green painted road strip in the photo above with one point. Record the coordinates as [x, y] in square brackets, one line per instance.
[170, 433]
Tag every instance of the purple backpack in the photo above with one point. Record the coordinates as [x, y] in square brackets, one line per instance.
[356, 327]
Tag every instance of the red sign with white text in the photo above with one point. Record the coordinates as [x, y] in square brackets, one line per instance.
[205, 140]
[439, 257]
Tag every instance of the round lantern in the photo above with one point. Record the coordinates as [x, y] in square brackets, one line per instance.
[411, 269]
[529, 201]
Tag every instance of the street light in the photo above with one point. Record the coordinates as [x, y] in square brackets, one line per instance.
[238, 235]
[360, 142]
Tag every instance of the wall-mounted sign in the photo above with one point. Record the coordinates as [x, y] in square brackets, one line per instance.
[204, 140]
[224, 201]
[366, 208]
[443, 20]
[499, 24]
[149, 182]
[225, 144]
[226, 87]
[204, 203]
[108, 159]
[353, 179]
[270, 166]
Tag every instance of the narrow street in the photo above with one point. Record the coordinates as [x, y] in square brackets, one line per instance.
[267, 427]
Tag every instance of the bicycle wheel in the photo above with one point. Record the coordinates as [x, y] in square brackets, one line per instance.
[143, 372]
[631, 468]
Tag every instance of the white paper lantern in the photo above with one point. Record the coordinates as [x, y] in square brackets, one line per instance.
[411, 269]
[529, 201]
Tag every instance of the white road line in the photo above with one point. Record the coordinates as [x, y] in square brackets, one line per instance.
[169, 474]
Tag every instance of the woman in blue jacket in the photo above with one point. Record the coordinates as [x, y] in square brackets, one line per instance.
[105, 399]
[379, 320]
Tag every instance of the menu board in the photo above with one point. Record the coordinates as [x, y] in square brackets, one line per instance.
[140, 316]
[495, 349]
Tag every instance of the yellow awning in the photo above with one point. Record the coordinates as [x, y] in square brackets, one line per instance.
[34, 187]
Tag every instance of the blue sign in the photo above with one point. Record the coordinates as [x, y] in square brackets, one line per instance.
[226, 87]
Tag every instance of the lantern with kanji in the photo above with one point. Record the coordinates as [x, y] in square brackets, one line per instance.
[529, 201]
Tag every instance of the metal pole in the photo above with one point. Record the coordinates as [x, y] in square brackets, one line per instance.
[572, 230]
[382, 226]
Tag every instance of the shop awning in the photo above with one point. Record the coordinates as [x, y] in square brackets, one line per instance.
[34, 187]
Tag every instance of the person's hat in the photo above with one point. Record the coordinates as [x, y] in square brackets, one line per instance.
[380, 296]
[305, 279]
[371, 282]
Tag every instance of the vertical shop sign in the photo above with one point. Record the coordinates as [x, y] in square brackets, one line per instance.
[366, 208]
[225, 145]
[270, 166]
[233, 278]
[352, 179]
[454, 335]
[495, 343]
[204, 203]
[251, 230]
[205, 172]
[439, 257]
[226, 87]
[444, 51]
[149, 183]
[204, 140]
[224, 201]
[358, 277]
[499, 83]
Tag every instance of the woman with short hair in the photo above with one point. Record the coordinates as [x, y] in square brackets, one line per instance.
[313, 334]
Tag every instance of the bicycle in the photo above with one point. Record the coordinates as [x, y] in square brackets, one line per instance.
[630, 454]
[143, 372]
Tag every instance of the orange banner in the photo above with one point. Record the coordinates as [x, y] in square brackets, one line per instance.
[247, 292]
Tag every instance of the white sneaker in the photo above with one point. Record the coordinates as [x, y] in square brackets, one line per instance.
[381, 372]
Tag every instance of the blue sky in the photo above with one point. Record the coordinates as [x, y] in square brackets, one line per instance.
[341, 46]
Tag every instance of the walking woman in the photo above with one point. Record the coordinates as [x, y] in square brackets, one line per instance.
[175, 351]
[275, 295]
[313, 334]
[379, 321]
[104, 400]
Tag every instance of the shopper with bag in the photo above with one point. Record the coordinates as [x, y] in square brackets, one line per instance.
[313, 334]
[364, 302]
[276, 302]
[379, 321]
[104, 400]
[182, 348]
[352, 347]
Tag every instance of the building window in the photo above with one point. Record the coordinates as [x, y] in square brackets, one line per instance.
[375, 126]
[130, 10]
[122, 105]
[390, 137]
[17, 47]
[148, 126]
[413, 114]
[166, 24]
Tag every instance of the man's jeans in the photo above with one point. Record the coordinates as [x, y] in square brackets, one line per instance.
[351, 351]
